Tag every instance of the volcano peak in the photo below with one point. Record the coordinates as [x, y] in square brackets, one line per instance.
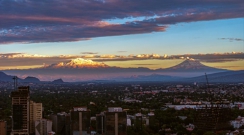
[78, 63]
[192, 65]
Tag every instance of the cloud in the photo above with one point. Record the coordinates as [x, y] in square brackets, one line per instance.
[29, 61]
[145, 64]
[9, 55]
[107, 56]
[24, 60]
[232, 39]
[218, 60]
[73, 33]
[20, 55]
[89, 53]
[215, 57]
[122, 51]
[226, 66]
[31, 21]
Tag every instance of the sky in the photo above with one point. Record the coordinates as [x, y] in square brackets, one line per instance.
[124, 33]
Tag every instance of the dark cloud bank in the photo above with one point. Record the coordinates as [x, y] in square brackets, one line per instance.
[29, 21]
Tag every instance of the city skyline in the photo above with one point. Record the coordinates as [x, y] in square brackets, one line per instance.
[122, 33]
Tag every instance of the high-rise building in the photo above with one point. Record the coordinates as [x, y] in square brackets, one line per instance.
[212, 117]
[100, 123]
[59, 122]
[35, 114]
[80, 121]
[54, 119]
[43, 127]
[115, 121]
[20, 111]
[3, 127]
[138, 121]
[67, 124]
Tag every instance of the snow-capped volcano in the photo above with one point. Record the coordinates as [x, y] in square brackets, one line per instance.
[78, 63]
[193, 65]
[82, 69]
[190, 64]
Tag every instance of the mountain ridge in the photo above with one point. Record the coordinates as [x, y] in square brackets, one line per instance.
[81, 70]
[228, 76]
[188, 65]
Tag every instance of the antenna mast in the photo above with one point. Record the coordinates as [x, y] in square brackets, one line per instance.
[15, 78]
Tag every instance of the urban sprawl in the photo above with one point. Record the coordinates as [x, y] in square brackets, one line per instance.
[119, 108]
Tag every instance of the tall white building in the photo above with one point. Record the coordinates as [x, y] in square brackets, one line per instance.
[35, 114]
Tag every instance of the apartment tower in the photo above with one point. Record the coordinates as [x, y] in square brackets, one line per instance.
[80, 121]
[20, 111]
[115, 121]
[61, 123]
[100, 123]
[35, 114]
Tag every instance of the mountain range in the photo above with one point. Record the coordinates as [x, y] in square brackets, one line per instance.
[222, 77]
[82, 70]
[8, 78]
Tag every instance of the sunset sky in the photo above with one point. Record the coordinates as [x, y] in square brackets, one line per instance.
[124, 33]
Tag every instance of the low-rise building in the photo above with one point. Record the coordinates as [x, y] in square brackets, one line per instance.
[238, 122]
[3, 127]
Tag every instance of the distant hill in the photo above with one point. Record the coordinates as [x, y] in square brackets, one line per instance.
[58, 81]
[8, 78]
[229, 76]
[5, 78]
[31, 79]
[222, 77]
